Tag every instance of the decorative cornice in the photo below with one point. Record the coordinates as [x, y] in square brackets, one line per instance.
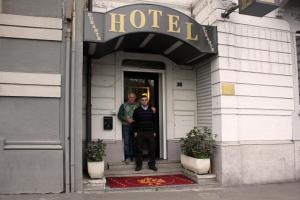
[106, 5]
[201, 5]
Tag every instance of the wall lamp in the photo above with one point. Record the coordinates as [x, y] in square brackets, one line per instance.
[229, 9]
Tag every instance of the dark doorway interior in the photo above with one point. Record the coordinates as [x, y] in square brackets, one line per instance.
[144, 83]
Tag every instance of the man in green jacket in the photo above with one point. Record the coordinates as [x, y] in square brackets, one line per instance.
[125, 115]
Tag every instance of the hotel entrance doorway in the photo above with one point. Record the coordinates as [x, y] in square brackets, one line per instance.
[144, 83]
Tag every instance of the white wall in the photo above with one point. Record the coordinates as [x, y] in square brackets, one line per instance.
[104, 96]
[262, 108]
[184, 99]
[255, 55]
[290, 15]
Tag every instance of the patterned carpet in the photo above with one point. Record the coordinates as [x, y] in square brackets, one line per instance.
[144, 181]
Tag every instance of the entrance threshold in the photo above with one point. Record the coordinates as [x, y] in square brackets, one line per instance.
[165, 167]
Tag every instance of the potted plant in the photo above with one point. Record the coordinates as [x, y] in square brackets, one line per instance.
[197, 148]
[95, 152]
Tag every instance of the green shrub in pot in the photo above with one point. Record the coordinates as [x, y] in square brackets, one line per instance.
[95, 151]
[197, 148]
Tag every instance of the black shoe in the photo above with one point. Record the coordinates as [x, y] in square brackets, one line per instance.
[138, 168]
[153, 168]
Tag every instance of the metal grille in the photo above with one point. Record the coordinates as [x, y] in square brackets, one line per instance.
[298, 59]
[204, 99]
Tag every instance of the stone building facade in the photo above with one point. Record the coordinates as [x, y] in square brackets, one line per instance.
[247, 93]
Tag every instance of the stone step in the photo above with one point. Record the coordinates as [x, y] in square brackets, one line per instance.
[207, 181]
[201, 179]
[94, 184]
[189, 187]
[123, 169]
[144, 171]
[161, 164]
[165, 167]
[94, 189]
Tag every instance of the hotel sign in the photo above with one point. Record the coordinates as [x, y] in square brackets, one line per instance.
[257, 8]
[103, 27]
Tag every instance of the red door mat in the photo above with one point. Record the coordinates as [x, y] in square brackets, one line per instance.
[143, 181]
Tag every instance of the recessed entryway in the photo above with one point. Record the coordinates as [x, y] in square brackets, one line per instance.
[145, 83]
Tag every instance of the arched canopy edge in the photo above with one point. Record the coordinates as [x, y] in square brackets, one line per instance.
[149, 28]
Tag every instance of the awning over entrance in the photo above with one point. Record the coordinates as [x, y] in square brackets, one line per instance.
[149, 28]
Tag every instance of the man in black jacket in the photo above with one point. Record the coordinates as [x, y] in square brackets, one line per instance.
[144, 131]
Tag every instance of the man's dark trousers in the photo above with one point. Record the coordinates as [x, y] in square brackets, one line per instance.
[140, 139]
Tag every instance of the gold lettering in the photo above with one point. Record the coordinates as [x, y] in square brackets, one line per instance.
[173, 24]
[133, 19]
[120, 22]
[154, 14]
[189, 32]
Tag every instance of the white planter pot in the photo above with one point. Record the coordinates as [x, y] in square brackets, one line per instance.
[96, 169]
[199, 166]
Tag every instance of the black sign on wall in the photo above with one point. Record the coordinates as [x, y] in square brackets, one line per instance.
[257, 8]
[107, 123]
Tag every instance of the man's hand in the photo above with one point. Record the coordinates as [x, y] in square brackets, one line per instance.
[154, 134]
[153, 109]
[129, 120]
[135, 134]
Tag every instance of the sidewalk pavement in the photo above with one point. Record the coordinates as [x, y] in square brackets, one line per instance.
[282, 191]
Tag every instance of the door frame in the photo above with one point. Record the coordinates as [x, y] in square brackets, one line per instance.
[161, 99]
